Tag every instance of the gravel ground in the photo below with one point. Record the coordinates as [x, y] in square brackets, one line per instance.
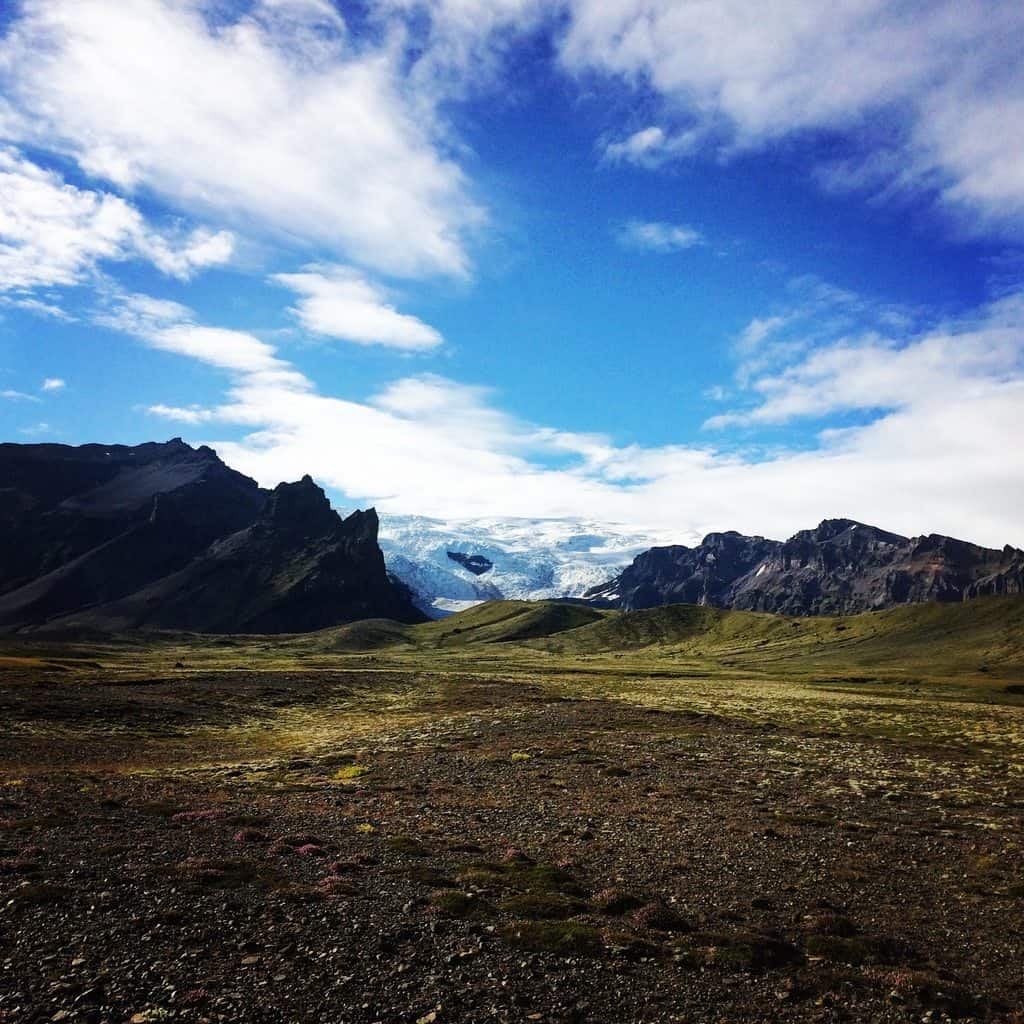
[521, 860]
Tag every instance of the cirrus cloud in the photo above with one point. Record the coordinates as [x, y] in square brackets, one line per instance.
[275, 119]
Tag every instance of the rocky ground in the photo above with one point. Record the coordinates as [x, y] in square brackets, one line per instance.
[506, 857]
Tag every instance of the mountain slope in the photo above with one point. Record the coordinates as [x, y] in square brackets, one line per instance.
[970, 637]
[838, 568]
[167, 536]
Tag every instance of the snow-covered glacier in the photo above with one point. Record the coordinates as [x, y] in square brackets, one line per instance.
[531, 559]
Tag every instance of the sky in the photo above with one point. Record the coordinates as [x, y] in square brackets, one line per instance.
[676, 264]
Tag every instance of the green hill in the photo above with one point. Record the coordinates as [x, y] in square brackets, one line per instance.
[500, 622]
[984, 635]
[495, 622]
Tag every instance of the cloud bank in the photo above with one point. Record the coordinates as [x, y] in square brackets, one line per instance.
[934, 458]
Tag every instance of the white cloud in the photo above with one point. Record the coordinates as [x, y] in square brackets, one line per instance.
[170, 327]
[652, 147]
[37, 306]
[935, 460]
[54, 234]
[941, 83]
[142, 315]
[340, 303]
[656, 236]
[53, 384]
[36, 430]
[181, 414]
[758, 330]
[13, 395]
[871, 371]
[274, 119]
[201, 248]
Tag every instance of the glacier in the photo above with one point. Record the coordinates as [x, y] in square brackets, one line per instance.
[533, 559]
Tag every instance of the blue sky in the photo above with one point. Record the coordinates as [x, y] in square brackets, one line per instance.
[648, 261]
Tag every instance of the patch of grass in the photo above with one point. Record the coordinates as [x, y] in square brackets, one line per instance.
[519, 756]
[350, 773]
[226, 873]
[37, 894]
[294, 840]
[408, 846]
[199, 817]
[831, 924]
[661, 918]
[746, 951]
[21, 865]
[632, 947]
[463, 905]
[332, 887]
[562, 938]
[616, 902]
[524, 877]
[29, 825]
[424, 874]
[542, 906]
[855, 950]
[162, 808]
[250, 835]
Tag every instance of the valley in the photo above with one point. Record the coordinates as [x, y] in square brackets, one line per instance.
[525, 811]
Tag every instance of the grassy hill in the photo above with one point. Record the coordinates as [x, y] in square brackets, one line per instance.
[985, 632]
[495, 622]
[981, 639]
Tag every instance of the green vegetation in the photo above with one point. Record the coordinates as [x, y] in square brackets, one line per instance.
[564, 938]
[409, 846]
[542, 906]
[685, 793]
[948, 675]
[461, 904]
[523, 876]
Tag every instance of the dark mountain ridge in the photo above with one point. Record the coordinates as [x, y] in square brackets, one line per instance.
[841, 567]
[167, 536]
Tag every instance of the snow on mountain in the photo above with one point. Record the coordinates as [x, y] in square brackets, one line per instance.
[531, 559]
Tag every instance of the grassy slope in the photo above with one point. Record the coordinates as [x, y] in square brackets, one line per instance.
[980, 642]
[912, 674]
[952, 637]
[496, 622]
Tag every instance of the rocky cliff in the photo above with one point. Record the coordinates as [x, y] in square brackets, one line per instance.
[838, 568]
[167, 536]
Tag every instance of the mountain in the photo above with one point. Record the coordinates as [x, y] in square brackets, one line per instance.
[168, 536]
[452, 565]
[841, 567]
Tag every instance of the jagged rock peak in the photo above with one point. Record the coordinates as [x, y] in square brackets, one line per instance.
[163, 535]
[302, 504]
[363, 524]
